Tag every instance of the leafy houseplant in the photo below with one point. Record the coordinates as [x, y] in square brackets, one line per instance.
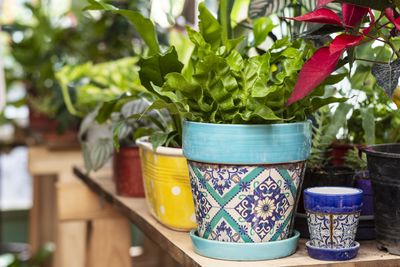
[226, 97]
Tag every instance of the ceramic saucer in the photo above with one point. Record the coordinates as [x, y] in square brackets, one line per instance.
[244, 251]
[331, 254]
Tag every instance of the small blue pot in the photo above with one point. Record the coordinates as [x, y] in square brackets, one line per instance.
[245, 179]
[333, 214]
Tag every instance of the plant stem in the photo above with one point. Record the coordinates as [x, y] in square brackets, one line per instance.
[371, 61]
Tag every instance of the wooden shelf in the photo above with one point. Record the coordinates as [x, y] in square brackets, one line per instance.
[179, 246]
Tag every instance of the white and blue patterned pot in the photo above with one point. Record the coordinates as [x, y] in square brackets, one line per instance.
[333, 214]
[245, 178]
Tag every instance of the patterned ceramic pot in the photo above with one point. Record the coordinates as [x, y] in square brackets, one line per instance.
[245, 178]
[333, 214]
[167, 186]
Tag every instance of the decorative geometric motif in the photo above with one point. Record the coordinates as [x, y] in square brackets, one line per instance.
[245, 203]
[332, 230]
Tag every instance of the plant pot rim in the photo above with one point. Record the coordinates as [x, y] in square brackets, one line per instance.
[242, 144]
[144, 143]
[371, 150]
[250, 125]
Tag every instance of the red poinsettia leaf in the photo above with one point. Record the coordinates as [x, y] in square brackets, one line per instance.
[353, 14]
[367, 30]
[321, 3]
[322, 15]
[344, 41]
[389, 13]
[314, 72]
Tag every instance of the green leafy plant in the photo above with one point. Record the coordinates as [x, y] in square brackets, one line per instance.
[42, 46]
[222, 84]
[325, 129]
[92, 84]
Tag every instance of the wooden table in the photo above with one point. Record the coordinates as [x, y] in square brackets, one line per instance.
[68, 214]
[179, 246]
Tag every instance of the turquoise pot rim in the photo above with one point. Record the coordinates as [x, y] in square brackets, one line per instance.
[250, 125]
[241, 144]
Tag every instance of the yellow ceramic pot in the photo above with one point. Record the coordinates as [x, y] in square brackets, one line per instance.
[167, 186]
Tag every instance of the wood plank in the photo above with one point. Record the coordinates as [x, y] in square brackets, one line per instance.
[75, 201]
[71, 245]
[42, 216]
[109, 243]
[45, 162]
[179, 246]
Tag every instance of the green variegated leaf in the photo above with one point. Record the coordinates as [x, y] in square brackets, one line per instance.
[101, 152]
[261, 8]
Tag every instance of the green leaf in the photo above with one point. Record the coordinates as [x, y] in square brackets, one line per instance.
[143, 26]
[158, 139]
[262, 27]
[224, 12]
[209, 26]
[261, 8]
[111, 106]
[338, 121]
[101, 152]
[153, 69]
[318, 103]
[368, 124]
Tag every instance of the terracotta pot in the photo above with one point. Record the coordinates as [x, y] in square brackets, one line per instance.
[127, 172]
[40, 123]
[338, 153]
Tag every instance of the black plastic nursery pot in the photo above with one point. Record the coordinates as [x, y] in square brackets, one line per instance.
[384, 168]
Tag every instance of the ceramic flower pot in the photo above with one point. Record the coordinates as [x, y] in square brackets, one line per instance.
[246, 178]
[127, 172]
[333, 214]
[383, 165]
[167, 186]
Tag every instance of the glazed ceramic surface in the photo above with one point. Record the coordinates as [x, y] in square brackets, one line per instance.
[328, 254]
[239, 203]
[333, 214]
[167, 186]
[246, 144]
[245, 251]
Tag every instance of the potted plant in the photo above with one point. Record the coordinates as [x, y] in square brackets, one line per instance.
[244, 189]
[91, 84]
[381, 158]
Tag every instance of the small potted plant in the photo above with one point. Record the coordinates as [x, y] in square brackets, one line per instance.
[382, 159]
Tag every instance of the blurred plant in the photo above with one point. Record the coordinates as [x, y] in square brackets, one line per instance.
[325, 129]
[45, 45]
[37, 260]
[355, 160]
[93, 84]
